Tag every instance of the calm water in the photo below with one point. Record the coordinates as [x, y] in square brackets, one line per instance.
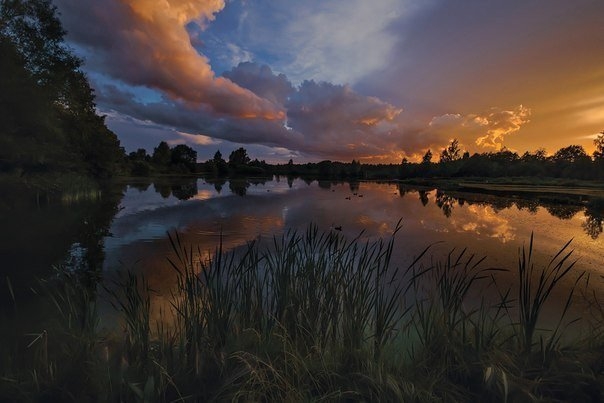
[129, 231]
[495, 227]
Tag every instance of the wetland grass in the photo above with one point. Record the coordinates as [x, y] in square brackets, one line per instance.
[317, 317]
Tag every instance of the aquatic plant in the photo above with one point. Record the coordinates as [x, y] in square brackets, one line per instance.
[315, 316]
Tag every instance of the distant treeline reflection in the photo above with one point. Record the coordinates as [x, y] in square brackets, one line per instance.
[562, 207]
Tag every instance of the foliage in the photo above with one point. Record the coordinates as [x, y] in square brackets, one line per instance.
[239, 157]
[599, 143]
[180, 159]
[48, 118]
[184, 156]
[451, 152]
[427, 158]
[162, 154]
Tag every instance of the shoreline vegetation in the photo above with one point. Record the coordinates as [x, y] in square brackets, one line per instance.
[313, 316]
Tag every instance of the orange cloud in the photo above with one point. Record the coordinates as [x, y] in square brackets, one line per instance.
[146, 43]
[499, 123]
[476, 131]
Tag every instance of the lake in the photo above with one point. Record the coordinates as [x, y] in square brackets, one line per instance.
[128, 229]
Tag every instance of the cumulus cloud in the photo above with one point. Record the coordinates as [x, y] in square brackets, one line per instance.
[146, 43]
[323, 120]
[500, 123]
[476, 132]
[335, 41]
[261, 80]
[337, 121]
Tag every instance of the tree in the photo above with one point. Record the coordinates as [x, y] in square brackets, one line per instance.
[139, 155]
[218, 165]
[450, 153]
[184, 156]
[218, 157]
[571, 154]
[50, 117]
[162, 154]
[427, 158]
[239, 157]
[599, 143]
[573, 161]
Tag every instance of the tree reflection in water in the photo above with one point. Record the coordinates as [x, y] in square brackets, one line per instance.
[184, 190]
[563, 212]
[445, 203]
[239, 186]
[529, 205]
[163, 188]
[594, 218]
[594, 211]
[423, 197]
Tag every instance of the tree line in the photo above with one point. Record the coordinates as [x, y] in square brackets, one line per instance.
[571, 162]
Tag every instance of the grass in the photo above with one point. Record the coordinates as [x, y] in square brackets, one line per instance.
[317, 317]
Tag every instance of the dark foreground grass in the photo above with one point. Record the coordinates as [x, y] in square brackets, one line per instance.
[317, 317]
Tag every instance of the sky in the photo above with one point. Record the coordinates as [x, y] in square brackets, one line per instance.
[375, 81]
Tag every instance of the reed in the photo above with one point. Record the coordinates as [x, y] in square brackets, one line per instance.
[314, 316]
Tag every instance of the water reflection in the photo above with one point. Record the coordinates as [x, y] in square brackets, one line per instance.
[239, 211]
[445, 203]
[239, 186]
[39, 234]
[202, 210]
[594, 218]
[243, 210]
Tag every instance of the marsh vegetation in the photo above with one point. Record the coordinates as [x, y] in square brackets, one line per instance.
[315, 316]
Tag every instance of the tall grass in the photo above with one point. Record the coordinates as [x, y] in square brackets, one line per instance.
[314, 316]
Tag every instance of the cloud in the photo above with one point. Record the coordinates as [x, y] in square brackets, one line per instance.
[146, 43]
[181, 117]
[189, 138]
[261, 80]
[476, 132]
[338, 122]
[335, 41]
[500, 123]
[323, 120]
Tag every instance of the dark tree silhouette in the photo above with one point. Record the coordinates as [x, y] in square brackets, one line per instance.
[571, 154]
[162, 154]
[427, 158]
[599, 143]
[48, 117]
[451, 152]
[239, 157]
[445, 203]
[183, 155]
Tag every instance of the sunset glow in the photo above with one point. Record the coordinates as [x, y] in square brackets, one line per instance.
[344, 80]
